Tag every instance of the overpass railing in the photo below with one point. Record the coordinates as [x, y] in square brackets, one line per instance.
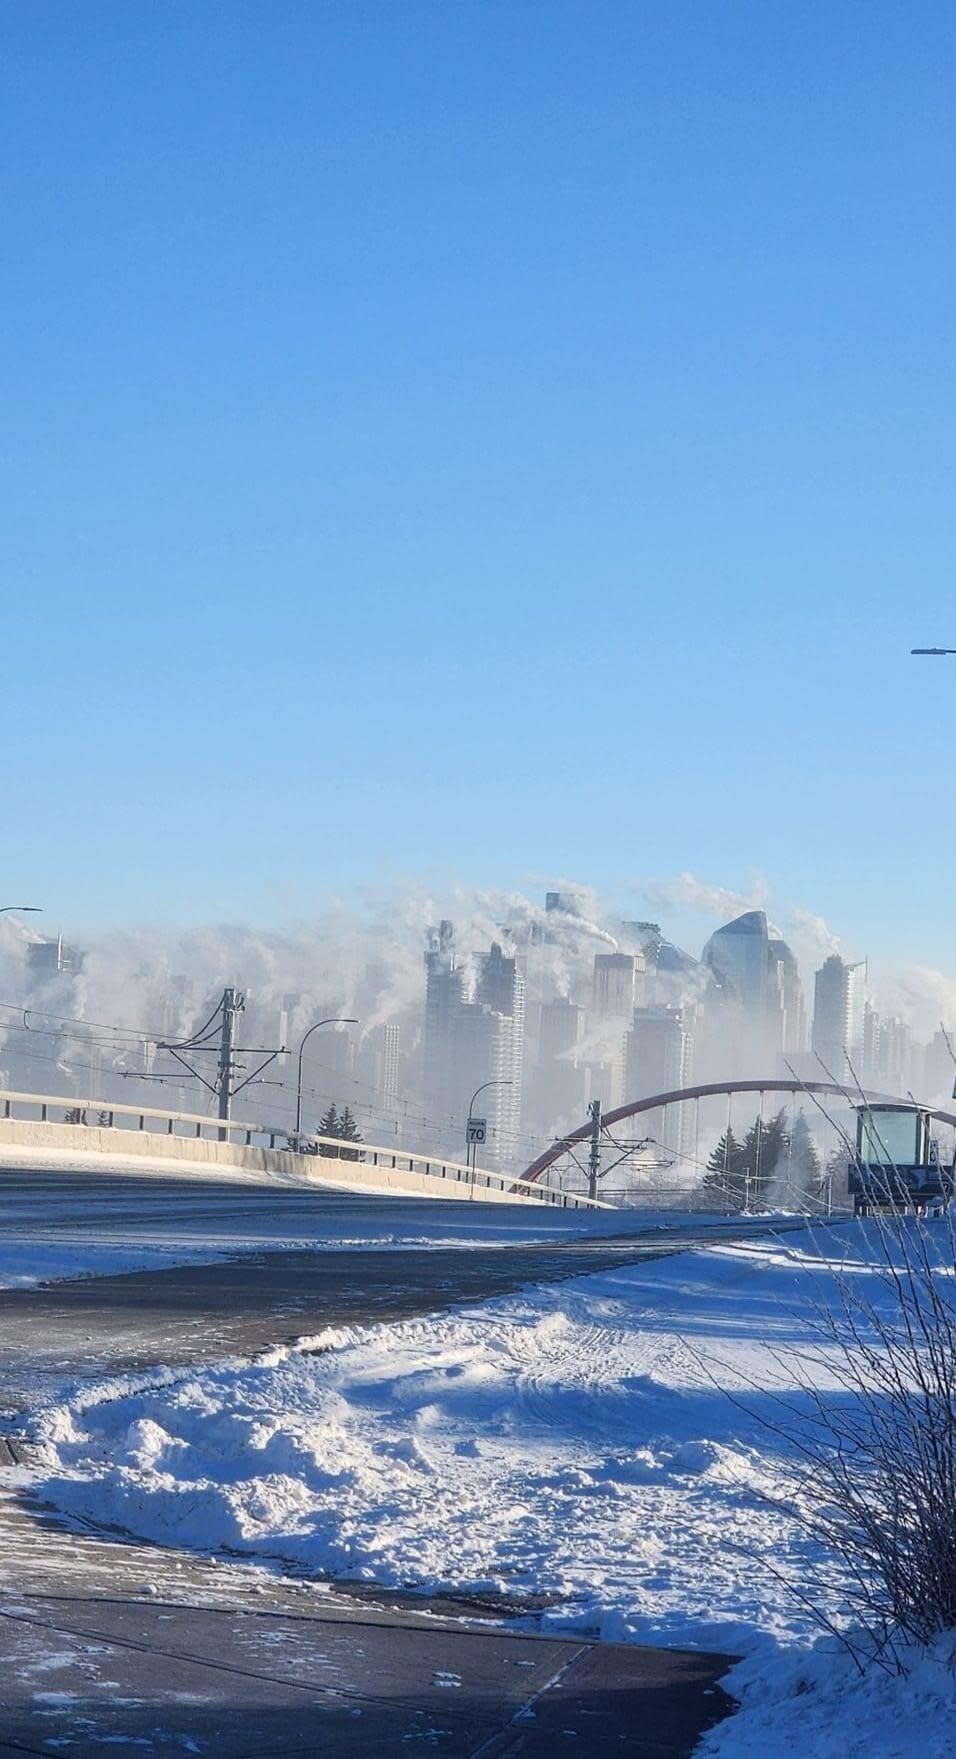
[48, 1108]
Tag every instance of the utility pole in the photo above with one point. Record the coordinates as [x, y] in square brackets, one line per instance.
[594, 1158]
[233, 1002]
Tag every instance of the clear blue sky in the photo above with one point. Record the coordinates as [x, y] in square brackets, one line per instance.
[478, 439]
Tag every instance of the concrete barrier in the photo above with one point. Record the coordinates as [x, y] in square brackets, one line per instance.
[96, 1144]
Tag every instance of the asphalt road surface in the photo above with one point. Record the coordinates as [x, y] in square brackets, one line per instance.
[106, 1641]
[262, 1292]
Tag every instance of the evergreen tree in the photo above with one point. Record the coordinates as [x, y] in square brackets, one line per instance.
[342, 1126]
[329, 1126]
[349, 1132]
[724, 1178]
[806, 1167]
[744, 1173]
[348, 1129]
[765, 1153]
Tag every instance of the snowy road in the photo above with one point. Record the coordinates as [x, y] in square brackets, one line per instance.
[609, 1450]
[160, 1270]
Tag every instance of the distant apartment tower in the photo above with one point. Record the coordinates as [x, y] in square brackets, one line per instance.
[51, 958]
[561, 1078]
[389, 1054]
[756, 985]
[659, 1061]
[501, 990]
[938, 1072]
[443, 1000]
[616, 986]
[785, 1008]
[562, 1029]
[887, 1053]
[468, 1043]
[839, 1004]
[613, 986]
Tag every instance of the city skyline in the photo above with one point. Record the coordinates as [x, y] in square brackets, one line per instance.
[553, 1000]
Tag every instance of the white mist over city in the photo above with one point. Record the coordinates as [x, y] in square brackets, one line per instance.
[549, 1001]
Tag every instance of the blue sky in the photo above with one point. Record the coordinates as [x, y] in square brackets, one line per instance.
[478, 440]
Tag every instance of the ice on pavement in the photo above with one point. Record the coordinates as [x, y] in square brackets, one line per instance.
[81, 1225]
[78, 1225]
[574, 1442]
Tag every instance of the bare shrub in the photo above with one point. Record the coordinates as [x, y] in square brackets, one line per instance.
[867, 1410]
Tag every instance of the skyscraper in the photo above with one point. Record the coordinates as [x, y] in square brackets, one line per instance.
[613, 985]
[560, 1081]
[501, 991]
[443, 1000]
[658, 1061]
[470, 1042]
[738, 955]
[755, 985]
[887, 1053]
[617, 985]
[390, 1054]
[838, 1017]
[785, 999]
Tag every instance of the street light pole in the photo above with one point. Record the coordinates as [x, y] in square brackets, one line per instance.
[334, 1020]
[472, 1147]
[24, 909]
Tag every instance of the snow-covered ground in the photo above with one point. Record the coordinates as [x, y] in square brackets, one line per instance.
[566, 1442]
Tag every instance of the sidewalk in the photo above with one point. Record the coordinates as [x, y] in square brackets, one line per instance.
[113, 1645]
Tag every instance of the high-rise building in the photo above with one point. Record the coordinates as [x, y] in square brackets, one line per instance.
[389, 1063]
[659, 1061]
[470, 1042]
[52, 958]
[617, 986]
[756, 985]
[559, 1086]
[938, 1070]
[785, 999]
[839, 1002]
[501, 991]
[887, 1054]
[738, 955]
[613, 985]
[444, 995]
[562, 1029]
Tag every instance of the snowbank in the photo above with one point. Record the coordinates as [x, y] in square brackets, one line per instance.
[574, 1442]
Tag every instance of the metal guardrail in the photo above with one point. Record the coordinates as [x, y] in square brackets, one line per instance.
[245, 1134]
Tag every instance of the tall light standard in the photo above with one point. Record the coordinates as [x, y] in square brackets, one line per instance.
[24, 909]
[334, 1020]
[933, 650]
[472, 1146]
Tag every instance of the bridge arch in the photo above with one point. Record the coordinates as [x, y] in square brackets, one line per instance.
[715, 1089]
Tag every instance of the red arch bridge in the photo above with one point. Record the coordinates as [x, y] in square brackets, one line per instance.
[656, 1102]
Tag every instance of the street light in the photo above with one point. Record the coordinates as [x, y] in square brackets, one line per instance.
[933, 650]
[24, 909]
[334, 1020]
[472, 1147]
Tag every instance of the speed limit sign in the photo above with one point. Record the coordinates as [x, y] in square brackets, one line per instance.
[477, 1131]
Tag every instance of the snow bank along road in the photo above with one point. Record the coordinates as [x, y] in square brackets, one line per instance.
[601, 1444]
[138, 1289]
[107, 1644]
